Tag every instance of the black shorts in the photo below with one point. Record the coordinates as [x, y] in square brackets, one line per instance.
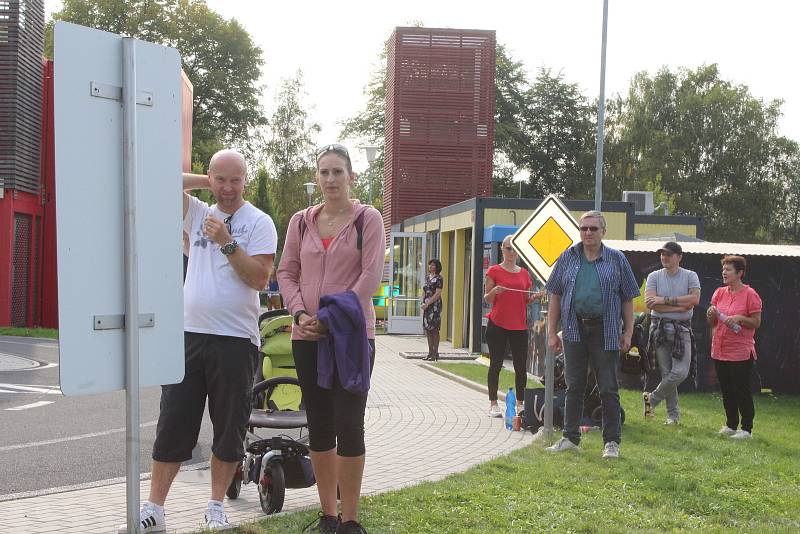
[335, 416]
[220, 368]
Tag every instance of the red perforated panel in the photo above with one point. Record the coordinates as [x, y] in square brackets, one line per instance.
[439, 119]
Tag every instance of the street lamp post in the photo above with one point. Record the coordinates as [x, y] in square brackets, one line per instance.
[520, 177]
[309, 191]
[372, 153]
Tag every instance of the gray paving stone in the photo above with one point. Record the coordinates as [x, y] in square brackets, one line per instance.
[420, 426]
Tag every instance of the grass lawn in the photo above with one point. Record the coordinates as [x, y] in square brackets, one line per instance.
[50, 333]
[667, 479]
[477, 373]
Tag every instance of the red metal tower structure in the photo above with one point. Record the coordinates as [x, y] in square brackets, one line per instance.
[21, 47]
[440, 96]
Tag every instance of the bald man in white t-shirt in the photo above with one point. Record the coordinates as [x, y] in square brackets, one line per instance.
[231, 251]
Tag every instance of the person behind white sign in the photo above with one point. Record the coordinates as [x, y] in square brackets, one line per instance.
[232, 247]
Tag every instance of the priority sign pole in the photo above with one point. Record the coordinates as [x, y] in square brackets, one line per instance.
[131, 283]
[549, 372]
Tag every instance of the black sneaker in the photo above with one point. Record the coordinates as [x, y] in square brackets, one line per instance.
[351, 527]
[328, 524]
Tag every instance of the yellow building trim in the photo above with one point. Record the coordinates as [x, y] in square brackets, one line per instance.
[616, 222]
[458, 291]
[458, 221]
[641, 230]
[444, 243]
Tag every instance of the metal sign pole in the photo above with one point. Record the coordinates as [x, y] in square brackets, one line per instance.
[549, 372]
[601, 117]
[131, 283]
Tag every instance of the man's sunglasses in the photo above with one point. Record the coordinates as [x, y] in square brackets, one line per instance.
[508, 249]
[227, 222]
[589, 228]
[335, 147]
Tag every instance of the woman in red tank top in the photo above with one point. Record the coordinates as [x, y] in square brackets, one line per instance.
[508, 290]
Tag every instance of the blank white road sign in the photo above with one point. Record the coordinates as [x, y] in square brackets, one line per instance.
[89, 196]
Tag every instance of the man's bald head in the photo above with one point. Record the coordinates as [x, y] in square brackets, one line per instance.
[226, 158]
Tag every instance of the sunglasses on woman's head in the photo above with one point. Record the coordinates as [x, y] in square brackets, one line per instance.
[335, 147]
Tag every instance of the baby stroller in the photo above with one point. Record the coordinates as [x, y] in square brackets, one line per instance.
[278, 462]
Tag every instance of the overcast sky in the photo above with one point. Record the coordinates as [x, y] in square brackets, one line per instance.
[336, 44]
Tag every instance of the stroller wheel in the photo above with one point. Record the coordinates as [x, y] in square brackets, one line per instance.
[271, 487]
[236, 484]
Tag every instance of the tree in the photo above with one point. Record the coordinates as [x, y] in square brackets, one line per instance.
[217, 55]
[558, 121]
[291, 152]
[710, 144]
[368, 128]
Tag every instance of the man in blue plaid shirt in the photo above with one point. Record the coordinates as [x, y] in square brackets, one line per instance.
[591, 290]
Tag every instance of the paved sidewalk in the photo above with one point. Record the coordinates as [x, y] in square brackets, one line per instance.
[411, 411]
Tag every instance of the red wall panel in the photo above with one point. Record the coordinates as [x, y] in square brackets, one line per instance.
[439, 119]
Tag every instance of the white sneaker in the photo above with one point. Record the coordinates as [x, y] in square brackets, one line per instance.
[564, 444]
[151, 520]
[611, 450]
[216, 518]
[495, 411]
[671, 421]
[741, 434]
[726, 431]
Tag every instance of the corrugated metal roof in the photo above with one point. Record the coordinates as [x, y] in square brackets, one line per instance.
[707, 247]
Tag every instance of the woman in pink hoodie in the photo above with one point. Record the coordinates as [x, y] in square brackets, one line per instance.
[335, 246]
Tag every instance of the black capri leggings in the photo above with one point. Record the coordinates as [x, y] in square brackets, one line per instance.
[335, 416]
[496, 338]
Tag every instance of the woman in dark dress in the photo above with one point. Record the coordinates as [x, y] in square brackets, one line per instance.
[432, 308]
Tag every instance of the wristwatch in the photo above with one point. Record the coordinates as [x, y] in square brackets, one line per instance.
[297, 315]
[229, 248]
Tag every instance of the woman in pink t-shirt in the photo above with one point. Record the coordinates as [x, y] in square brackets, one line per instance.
[734, 315]
[508, 291]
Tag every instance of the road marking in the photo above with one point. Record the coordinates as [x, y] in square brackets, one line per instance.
[96, 484]
[30, 388]
[39, 343]
[71, 438]
[32, 405]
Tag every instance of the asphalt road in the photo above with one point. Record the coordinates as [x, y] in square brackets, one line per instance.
[50, 441]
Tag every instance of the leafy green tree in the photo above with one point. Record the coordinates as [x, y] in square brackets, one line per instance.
[559, 123]
[290, 149]
[713, 147]
[217, 55]
[257, 191]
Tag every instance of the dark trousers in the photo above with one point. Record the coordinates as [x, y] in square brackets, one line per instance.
[335, 416]
[496, 338]
[577, 358]
[734, 381]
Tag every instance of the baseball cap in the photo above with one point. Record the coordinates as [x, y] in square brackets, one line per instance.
[671, 247]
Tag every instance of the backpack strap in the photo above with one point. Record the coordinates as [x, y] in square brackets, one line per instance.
[358, 223]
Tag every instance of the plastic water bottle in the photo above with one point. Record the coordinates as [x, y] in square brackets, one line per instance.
[511, 408]
[735, 327]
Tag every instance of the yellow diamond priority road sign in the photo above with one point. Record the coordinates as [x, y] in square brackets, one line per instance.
[545, 235]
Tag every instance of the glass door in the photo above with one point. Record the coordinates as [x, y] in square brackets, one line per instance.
[408, 266]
